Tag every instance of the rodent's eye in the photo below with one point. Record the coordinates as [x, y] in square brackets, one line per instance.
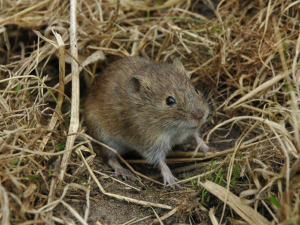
[170, 100]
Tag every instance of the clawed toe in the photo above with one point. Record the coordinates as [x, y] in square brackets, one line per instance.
[167, 175]
[169, 179]
[174, 186]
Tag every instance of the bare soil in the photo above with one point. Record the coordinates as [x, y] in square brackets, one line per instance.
[109, 210]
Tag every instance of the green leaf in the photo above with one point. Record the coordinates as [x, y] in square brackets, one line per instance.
[217, 28]
[15, 161]
[18, 88]
[287, 87]
[60, 146]
[235, 173]
[203, 195]
[148, 17]
[220, 181]
[218, 177]
[33, 177]
[213, 165]
[50, 171]
[193, 182]
[274, 201]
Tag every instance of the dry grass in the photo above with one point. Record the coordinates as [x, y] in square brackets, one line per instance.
[248, 53]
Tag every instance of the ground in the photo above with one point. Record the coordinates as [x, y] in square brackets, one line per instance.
[113, 211]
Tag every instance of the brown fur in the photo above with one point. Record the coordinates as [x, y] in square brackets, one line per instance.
[126, 109]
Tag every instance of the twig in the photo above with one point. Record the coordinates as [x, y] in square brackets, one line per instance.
[27, 10]
[167, 215]
[74, 122]
[260, 88]
[119, 197]
[250, 215]
[61, 88]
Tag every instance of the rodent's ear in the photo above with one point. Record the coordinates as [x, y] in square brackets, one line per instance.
[178, 65]
[136, 83]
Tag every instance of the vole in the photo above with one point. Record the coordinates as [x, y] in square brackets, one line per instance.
[137, 104]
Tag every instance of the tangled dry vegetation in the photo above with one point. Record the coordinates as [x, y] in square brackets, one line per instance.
[247, 52]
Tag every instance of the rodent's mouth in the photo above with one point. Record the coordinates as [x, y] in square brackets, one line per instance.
[196, 125]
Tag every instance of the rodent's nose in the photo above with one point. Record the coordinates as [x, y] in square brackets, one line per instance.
[197, 114]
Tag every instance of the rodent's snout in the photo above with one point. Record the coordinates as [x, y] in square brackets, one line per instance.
[197, 114]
